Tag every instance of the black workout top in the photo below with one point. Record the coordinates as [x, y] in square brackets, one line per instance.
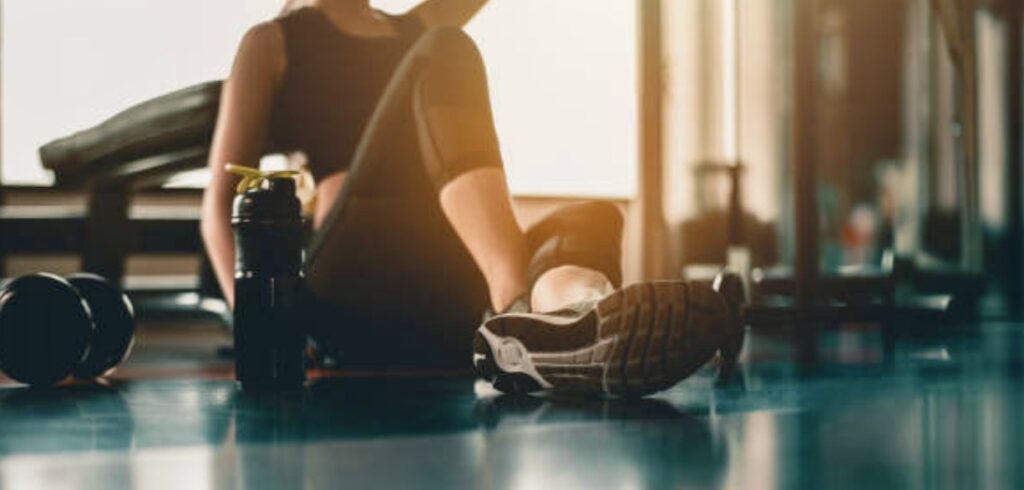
[331, 86]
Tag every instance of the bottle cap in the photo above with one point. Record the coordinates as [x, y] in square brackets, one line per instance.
[253, 178]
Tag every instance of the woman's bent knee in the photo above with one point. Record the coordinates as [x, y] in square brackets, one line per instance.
[448, 42]
[452, 107]
[453, 71]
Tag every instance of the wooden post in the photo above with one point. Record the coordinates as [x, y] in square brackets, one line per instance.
[805, 184]
[651, 174]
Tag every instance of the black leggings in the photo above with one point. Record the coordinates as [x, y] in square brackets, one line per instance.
[393, 284]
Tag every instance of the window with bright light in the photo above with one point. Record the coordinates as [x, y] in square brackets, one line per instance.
[562, 75]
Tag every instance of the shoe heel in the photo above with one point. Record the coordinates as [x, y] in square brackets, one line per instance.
[730, 286]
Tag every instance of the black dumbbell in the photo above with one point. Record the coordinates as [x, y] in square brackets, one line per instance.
[52, 327]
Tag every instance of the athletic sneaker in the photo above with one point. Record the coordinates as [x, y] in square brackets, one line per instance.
[636, 341]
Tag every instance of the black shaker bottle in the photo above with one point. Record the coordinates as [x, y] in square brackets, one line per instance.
[268, 228]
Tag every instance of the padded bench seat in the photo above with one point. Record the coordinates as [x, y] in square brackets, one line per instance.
[167, 124]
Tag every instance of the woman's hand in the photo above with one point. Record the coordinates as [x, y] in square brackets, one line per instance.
[447, 13]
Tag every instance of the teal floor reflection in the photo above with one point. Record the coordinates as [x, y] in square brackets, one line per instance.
[935, 412]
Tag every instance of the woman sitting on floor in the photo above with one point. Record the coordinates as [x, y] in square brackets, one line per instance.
[415, 235]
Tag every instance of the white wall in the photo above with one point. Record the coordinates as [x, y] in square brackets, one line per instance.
[563, 77]
[68, 64]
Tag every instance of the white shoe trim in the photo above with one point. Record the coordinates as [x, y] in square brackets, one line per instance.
[511, 356]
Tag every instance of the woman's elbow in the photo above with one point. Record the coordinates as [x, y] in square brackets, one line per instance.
[214, 213]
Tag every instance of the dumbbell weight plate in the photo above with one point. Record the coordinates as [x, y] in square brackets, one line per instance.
[115, 325]
[45, 329]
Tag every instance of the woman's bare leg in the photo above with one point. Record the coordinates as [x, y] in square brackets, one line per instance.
[478, 207]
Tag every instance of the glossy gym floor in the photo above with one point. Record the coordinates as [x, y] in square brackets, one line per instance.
[929, 410]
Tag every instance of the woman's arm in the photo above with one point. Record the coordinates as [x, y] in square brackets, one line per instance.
[239, 137]
[453, 13]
